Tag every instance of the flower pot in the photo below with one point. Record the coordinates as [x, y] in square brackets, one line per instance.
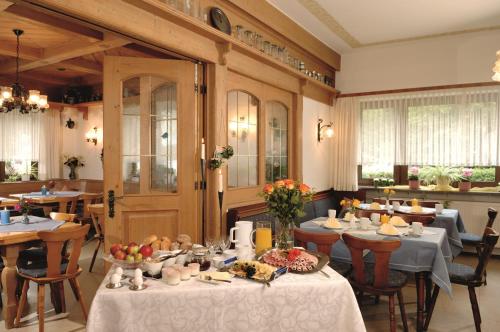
[414, 184]
[443, 183]
[284, 234]
[464, 185]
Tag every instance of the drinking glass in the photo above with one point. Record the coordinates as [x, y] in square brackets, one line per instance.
[267, 47]
[249, 35]
[263, 236]
[238, 32]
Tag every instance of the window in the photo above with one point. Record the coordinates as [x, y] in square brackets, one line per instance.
[276, 141]
[243, 113]
[455, 128]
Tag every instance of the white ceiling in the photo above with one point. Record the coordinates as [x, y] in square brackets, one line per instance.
[365, 22]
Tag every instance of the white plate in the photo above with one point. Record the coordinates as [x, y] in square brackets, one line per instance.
[324, 226]
[401, 226]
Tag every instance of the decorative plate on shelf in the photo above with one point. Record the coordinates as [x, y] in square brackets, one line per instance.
[219, 20]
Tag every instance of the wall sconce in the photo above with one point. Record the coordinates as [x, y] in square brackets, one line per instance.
[324, 130]
[91, 136]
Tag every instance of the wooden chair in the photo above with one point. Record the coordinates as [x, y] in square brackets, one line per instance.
[86, 199]
[58, 269]
[470, 277]
[382, 200]
[97, 214]
[475, 240]
[324, 243]
[60, 216]
[377, 279]
[425, 219]
[427, 204]
[65, 201]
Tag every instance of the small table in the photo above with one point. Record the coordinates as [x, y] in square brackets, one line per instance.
[7, 202]
[425, 256]
[293, 302]
[449, 219]
[11, 243]
[55, 197]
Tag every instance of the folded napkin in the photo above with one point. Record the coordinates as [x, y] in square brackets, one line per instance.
[397, 221]
[375, 206]
[332, 223]
[416, 209]
[388, 229]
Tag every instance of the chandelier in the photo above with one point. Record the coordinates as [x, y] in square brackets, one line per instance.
[15, 98]
[496, 69]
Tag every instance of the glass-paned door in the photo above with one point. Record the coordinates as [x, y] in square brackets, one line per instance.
[276, 141]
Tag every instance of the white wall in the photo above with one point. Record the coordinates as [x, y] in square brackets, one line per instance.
[465, 58]
[74, 142]
[315, 155]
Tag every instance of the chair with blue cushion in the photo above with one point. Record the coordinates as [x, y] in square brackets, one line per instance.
[57, 269]
[475, 240]
[377, 279]
[468, 276]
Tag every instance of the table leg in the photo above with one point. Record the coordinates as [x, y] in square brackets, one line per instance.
[9, 282]
[420, 280]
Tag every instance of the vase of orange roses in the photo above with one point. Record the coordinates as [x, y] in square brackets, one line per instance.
[285, 200]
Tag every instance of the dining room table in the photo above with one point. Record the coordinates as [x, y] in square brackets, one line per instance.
[8, 202]
[448, 219]
[427, 255]
[15, 237]
[46, 201]
[293, 302]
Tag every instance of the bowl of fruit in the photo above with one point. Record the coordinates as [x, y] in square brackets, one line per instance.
[129, 256]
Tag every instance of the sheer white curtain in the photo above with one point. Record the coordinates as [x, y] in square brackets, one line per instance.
[32, 137]
[345, 119]
[456, 127]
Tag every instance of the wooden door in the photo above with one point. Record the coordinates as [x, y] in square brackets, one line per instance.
[150, 128]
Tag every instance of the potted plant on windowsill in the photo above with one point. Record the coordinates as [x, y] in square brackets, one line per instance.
[442, 176]
[413, 180]
[465, 180]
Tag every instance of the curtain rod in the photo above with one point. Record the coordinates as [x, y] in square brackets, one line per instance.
[425, 88]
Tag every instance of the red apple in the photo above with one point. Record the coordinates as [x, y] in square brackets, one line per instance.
[120, 255]
[132, 244]
[146, 251]
[131, 250]
[114, 248]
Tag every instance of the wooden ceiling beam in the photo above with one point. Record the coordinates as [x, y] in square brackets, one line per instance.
[8, 48]
[55, 24]
[82, 66]
[4, 5]
[65, 52]
[46, 79]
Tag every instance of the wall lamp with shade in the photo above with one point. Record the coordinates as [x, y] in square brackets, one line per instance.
[91, 136]
[325, 130]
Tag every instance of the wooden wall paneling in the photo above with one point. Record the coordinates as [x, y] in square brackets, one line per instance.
[156, 27]
[216, 123]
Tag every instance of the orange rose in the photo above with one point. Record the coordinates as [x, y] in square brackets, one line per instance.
[304, 188]
[268, 188]
[289, 184]
[279, 183]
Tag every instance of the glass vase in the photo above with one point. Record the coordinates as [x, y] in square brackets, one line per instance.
[26, 219]
[284, 234]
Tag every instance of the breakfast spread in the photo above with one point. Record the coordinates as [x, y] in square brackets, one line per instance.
[294, 259]
[252, 270]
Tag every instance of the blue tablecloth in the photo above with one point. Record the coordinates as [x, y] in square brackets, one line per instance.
[36, 224]
[449, 219]
[430, 252]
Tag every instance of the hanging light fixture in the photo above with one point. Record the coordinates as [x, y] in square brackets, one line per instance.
[15, 98]
[496, 69]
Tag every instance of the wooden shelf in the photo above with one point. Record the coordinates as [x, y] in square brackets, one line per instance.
[210, 32]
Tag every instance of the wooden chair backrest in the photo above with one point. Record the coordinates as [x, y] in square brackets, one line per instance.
[368, 213]
[63, 204]
[490, 240]
[382, 200]
[97, 214]
[492, 215]
[59, 216]
[382, 249]
[55, 241]
[428, 204]
[425, 219]
[323, 241]
[89, 198]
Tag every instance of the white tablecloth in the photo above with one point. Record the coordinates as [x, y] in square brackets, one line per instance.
[294, 302]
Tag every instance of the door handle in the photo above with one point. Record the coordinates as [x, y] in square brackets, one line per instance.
[111, 202]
